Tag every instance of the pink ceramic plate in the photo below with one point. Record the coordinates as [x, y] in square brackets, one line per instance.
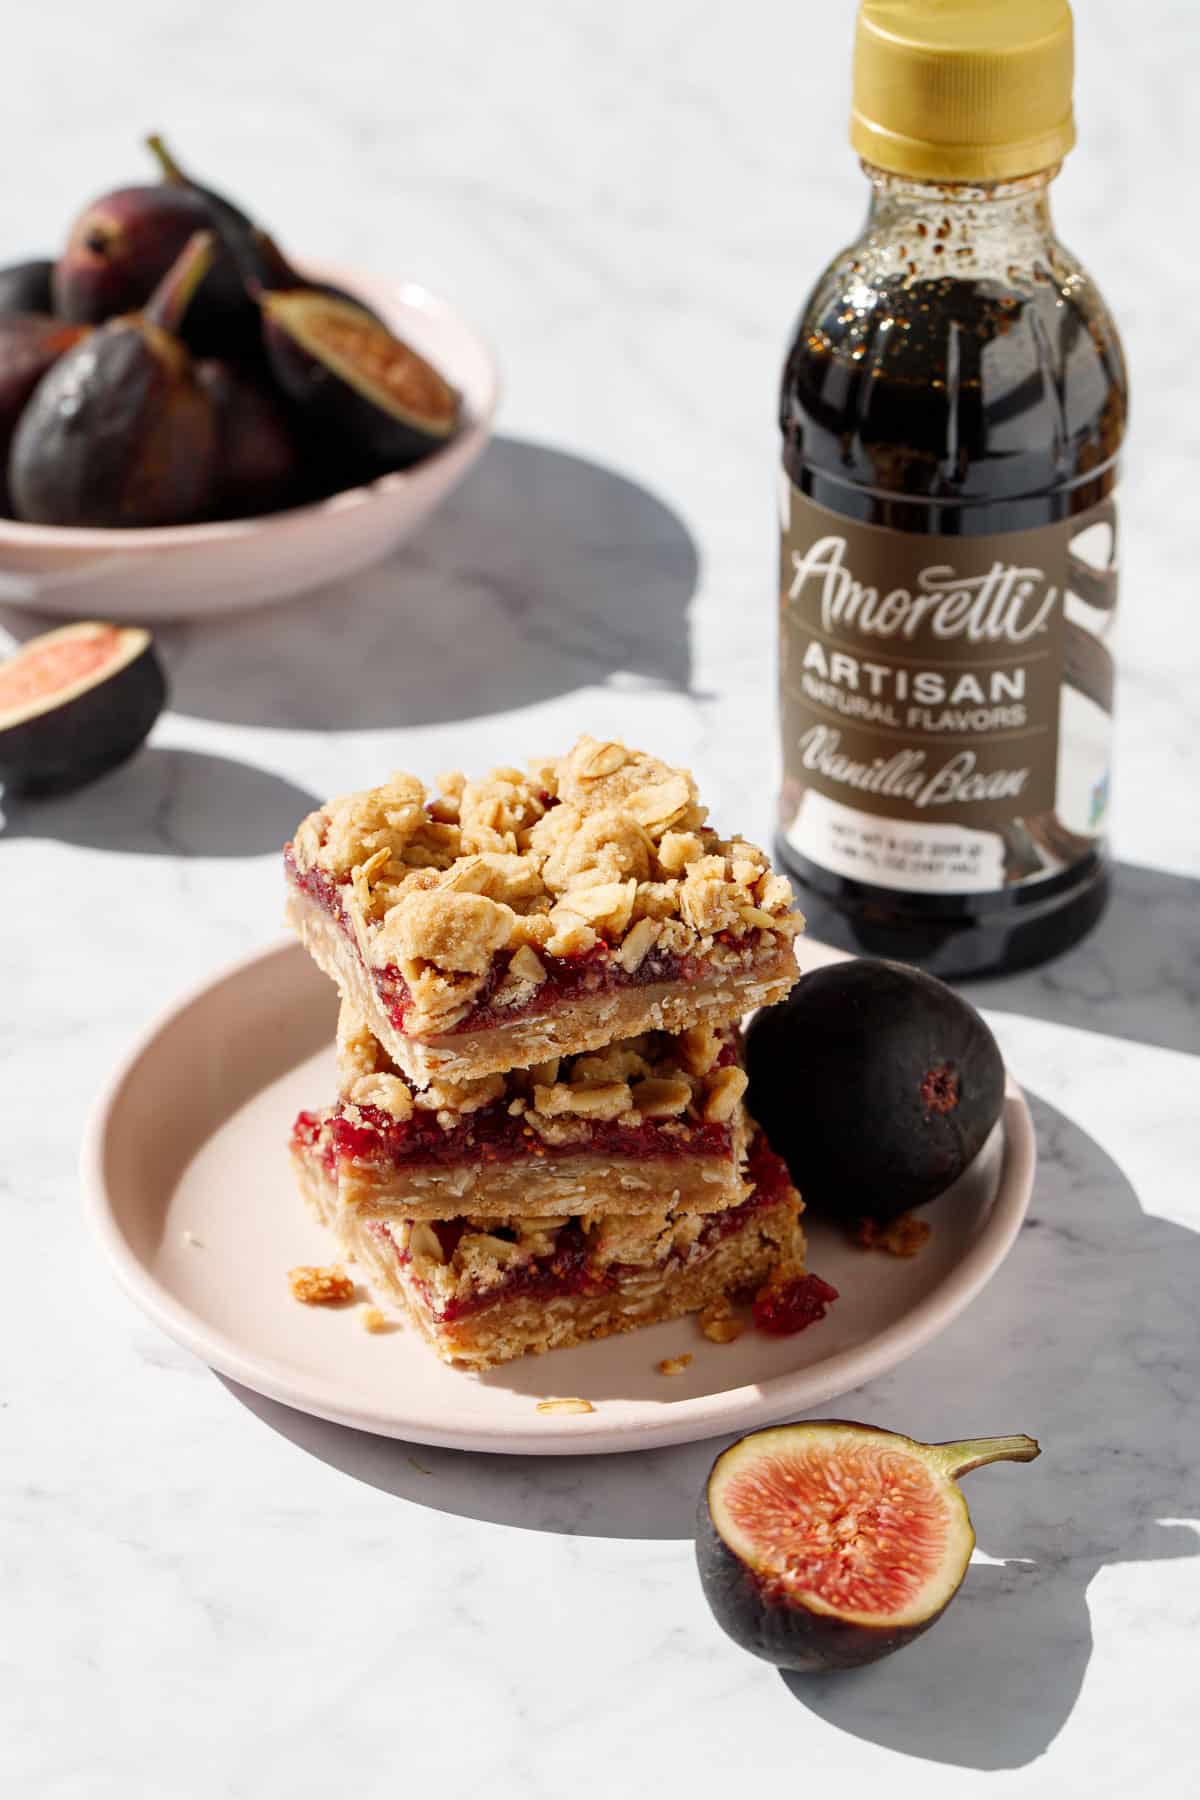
[187, 1181]
[197, 571]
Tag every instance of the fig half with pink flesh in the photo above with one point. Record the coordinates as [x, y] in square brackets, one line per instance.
[75, 703]
[828, 1544]
[380, 403]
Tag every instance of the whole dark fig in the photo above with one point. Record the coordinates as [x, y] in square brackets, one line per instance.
[259, 459]
[120, 247]
[876, 1083]
[25, 287]
[267, 269]
[223, 321]
[120, 432]
[30, 344]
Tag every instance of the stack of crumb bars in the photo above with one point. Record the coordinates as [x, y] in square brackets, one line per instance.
[539, 1135]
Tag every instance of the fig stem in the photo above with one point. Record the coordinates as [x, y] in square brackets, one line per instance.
[172, 297]
[168, 167]
[972, 1453]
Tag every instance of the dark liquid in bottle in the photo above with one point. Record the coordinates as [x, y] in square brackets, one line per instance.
[958, 407]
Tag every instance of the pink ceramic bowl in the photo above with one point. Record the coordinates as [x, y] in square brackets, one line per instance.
[194, 571]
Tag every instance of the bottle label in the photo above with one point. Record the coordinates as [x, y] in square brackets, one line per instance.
[946, 701]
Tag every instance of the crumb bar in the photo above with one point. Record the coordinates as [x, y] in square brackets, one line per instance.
[651, 1121]
[536, 914]
[484, 1291]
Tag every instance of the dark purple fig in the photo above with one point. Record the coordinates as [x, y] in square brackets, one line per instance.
[876, 1083]
[120, 248]
[25, 287]
[74, 703]
[30, 344]
[259, 459]
[381, 404]
[120, 432]
[826, 1545]
[224, 319]
[266, 267]
[229, 222]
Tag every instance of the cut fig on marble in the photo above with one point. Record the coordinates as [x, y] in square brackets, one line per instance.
[829, 1544]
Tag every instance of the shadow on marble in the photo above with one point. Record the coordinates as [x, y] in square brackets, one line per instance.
[1087, 1340]
[541, 574]
[169, 803]
[648, 1494]
[1135, 976]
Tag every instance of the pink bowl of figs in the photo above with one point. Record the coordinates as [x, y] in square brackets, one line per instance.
[191, 423]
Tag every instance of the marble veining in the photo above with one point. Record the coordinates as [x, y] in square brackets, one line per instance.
[207, 1597]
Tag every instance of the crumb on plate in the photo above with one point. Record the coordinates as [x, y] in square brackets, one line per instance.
[574, 1405]
[674, 1365]
[902, 1236]
[320, 1287]
[718, 1323]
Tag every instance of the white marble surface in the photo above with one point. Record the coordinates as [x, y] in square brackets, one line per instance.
[206, 1597]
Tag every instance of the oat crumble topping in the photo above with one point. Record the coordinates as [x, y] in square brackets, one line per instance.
[605, 844]
[654, 1076]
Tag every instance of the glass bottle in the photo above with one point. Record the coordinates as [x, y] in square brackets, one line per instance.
[952, 409]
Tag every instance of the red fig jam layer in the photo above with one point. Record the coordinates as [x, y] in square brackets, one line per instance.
[493, 1135]
[565, 1272]
[568, 978]
[309, 1136]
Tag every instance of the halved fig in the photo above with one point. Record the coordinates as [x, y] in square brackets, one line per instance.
[74, 703]
[828, 1544]
[379, 400]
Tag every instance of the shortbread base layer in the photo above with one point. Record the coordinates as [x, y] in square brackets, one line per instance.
[548, 1182]
[565, 1029]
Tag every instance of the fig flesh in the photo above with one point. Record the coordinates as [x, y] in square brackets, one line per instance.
[25, 287]
[74, 703]
[829, 1544]
[30, 344]
[876, 1083]
[120, 432]
[258, 455]
[382, 405]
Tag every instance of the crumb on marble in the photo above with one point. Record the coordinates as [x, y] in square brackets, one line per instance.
[373, 1320]
[903, 1236]
[573, 1405]
[320, 1287]
[674, 1365]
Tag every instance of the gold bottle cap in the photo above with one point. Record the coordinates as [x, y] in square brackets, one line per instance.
[963, 90]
